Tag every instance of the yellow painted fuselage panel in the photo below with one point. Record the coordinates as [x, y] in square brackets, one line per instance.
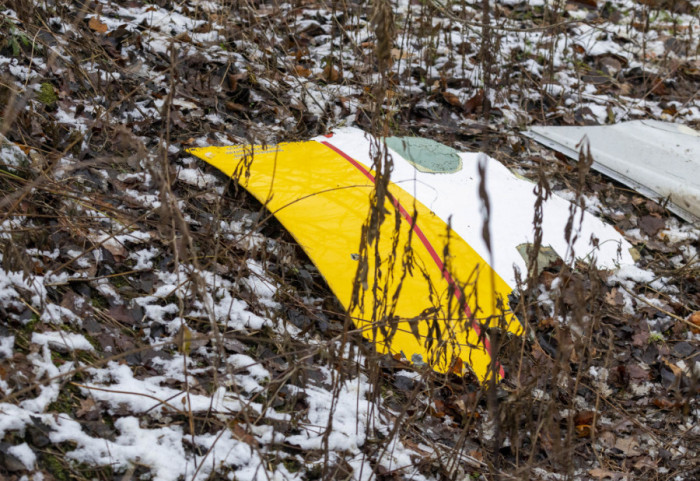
[416, 303]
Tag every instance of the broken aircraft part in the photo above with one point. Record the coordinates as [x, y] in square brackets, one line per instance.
[435, 286]
[660, 160]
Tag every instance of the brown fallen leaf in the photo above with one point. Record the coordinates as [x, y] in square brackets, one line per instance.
[235, 107]
[547, 323]
[439, 409]
[677, 371]
[451, 99]
[670, 110]
[694, 319]
[111, 245]
[302, 71]
[97, 26]
[640, 338]
[636, 373]
[625, 88]
[587, 3]
[663, 403]
[475, 102]
[203, 28]
[600, 473]
[242, 435]
[614, 298]
[651, 225]
[659, 88]
[583, 430]
[123, 314]
[331, 74]
[607, 439]
[414, 447]
[547, 278]
[399, 54]
[458, 367]
[645, 463]
[183, 37]
[86, 406]
[233, 79]
[629, 446]
[583, 421]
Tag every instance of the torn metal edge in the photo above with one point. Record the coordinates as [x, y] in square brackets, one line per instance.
[615, 175]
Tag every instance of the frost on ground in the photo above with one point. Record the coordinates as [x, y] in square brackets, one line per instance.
[156, 323]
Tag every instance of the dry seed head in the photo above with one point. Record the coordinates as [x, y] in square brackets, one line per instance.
[383, 24]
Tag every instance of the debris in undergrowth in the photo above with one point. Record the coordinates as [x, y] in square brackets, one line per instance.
[321, 189]
[660, 160]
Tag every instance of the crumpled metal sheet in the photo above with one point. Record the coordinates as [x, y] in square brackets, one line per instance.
[660, 160]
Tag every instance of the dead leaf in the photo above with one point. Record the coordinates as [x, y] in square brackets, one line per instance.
[86, 406]
[663, 403]
[414, 447]
[625, 89]
[297, 105]
[547, 323]
[670, 110]
[97, 26]
[677, 371]
[475, 102]
[694, 319]
[233, 79]
[629, 446]
[637, 374]
[651, 225]
[659, 88]
[458, 367]
[645, 463]
[587, 3]
[124, 315]
[302, 71]
[607, 439]
[242, 435]
[331, 74]
[640, 338]
[478, 455]
[614, 298]
[77, 304]
[666, 404]
[599, 473]
[451, 99]
[439, 410]
[547, 278]
[203, 28]
[183, 37]
[583, 421]
[398, 54]
[235, 107]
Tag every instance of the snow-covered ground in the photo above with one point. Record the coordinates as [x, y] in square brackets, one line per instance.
[155, 324]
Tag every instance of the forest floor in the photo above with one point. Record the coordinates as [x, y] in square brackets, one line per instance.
[155, 323]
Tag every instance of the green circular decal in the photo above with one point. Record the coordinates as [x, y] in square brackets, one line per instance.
[426, 155]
